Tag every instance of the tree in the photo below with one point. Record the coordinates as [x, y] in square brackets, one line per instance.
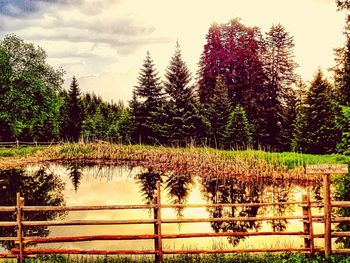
[219, 110]
[183, 118]
[210, 65]
[149, 115]
[29, 92]
[234, 51]
[279, 66]
[317, 130]
[74, 112]
[343, 4]
[238, 130]
[342, 69]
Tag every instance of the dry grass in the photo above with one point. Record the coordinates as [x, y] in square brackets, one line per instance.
[247, 165]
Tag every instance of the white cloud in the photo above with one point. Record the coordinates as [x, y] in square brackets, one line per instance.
[105, 41]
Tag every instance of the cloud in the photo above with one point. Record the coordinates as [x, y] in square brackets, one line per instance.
[24, 8]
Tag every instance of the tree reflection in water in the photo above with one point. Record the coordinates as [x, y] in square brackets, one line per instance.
[278, 193]
[148, 184]
[179, 187]
[39, 188]
[75, 174]
[231, 190]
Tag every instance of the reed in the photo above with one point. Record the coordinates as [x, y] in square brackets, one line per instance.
[203, 161]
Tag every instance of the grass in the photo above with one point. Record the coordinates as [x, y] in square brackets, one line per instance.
[218, 258]
[201, 161]
[21, 151]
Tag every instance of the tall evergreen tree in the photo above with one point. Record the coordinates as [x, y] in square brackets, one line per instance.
[219, 110]
[183, 120]
[342, 68]
[149, 117]
[74, 112]
[238, 132]
[317, 130]
[279, 66]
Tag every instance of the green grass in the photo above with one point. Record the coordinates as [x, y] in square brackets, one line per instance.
[218, 258]
[289, 159]
[21, 151]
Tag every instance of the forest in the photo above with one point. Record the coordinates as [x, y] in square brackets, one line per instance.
[245, 94]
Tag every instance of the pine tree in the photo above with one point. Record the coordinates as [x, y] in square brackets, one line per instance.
[180, 99]
[279, 67]
[219, 109]
[317, 129]
[238, 130]
[74, 112]
[342, 69]
[149, 117]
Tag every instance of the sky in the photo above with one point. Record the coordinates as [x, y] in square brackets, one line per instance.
[104, 42]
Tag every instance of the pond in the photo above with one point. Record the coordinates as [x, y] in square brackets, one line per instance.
[80, 184]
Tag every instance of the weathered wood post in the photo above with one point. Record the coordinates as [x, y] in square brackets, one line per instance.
[19, 212]
[158, 226]
[327, 215]
[308, 224]
[326, 170]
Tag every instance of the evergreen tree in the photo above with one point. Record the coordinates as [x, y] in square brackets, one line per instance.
[219, 110]
[279, 69]
[180, 103]
[195, 123]
[238, 130]
[74, 112]
[342, 69]
[149, 117]
[288, 117]
[317, 129]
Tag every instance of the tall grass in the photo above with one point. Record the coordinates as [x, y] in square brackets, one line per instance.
[203, 161]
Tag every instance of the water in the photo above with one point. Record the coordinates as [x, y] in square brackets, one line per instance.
[77, 184]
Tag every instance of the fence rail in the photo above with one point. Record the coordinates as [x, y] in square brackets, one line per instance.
[307, 233]
[17, 144]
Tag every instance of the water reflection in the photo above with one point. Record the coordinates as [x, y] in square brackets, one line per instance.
[148, 184]
[273, 194]
[107, 185]
[179, 188]
[75, 174]
[38, 188]
[232, 191]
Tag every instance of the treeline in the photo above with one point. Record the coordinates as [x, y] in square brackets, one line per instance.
[246, 94]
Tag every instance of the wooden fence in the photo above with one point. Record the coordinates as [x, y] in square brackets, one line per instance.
[307, 233]
[18, 144]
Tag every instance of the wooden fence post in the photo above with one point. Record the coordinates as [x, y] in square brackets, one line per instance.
[308, 225]
[158, 226]
[19, 206]
[17, 143]
[306, 222]
[327, 216]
